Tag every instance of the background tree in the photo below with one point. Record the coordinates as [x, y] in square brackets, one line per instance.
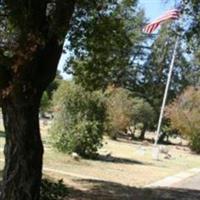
[193, 74]
[79, 124]
[44, 104]
[191, 8]
[144, 114]
[32, 34]
[46, 100]
[184, 115]
[102, 53]
[151, 76]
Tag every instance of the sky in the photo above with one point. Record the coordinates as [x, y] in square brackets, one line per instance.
[153, 9]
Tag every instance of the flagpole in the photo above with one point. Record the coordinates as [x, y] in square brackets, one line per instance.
[166, 92]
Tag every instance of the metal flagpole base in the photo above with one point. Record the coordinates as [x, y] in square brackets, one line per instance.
[155, 152]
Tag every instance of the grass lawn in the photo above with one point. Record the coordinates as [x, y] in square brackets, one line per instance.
[129, 164]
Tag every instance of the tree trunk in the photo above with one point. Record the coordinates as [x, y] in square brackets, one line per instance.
[35, 48]
[142, 135]
[23, 150]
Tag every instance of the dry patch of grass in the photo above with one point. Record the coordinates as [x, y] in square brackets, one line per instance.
[123, 173]
[123, 163]
[128, 163]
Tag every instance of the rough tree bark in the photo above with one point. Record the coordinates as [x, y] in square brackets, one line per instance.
[23, 149]
[26, 76]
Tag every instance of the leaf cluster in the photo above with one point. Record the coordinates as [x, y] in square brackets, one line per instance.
[102, 42]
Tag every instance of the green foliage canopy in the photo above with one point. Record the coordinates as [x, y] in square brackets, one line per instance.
[143, 113]
[151, 76]
[192, 10]
[108, 36]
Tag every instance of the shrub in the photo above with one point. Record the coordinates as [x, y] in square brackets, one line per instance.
[184, 114]
[119, 110]
[79, 124]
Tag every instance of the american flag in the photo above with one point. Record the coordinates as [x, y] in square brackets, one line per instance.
[169, 15]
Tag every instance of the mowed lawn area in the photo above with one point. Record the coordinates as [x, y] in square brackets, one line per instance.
[123, 162]
[128, 163]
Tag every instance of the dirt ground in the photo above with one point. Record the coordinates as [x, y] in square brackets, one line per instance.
[110, 191]
[107, 190]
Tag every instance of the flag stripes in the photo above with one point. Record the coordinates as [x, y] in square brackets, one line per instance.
[169, 15]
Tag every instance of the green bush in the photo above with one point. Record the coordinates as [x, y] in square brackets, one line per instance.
[84, 138]
[53, 190]
[184, 114]
[79, 123]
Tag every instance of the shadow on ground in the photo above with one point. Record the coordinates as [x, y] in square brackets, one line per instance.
[146, 142]
[103, 190]
[119, 160]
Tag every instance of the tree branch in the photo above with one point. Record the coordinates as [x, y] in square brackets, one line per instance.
[50, 55]
[61, 17]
